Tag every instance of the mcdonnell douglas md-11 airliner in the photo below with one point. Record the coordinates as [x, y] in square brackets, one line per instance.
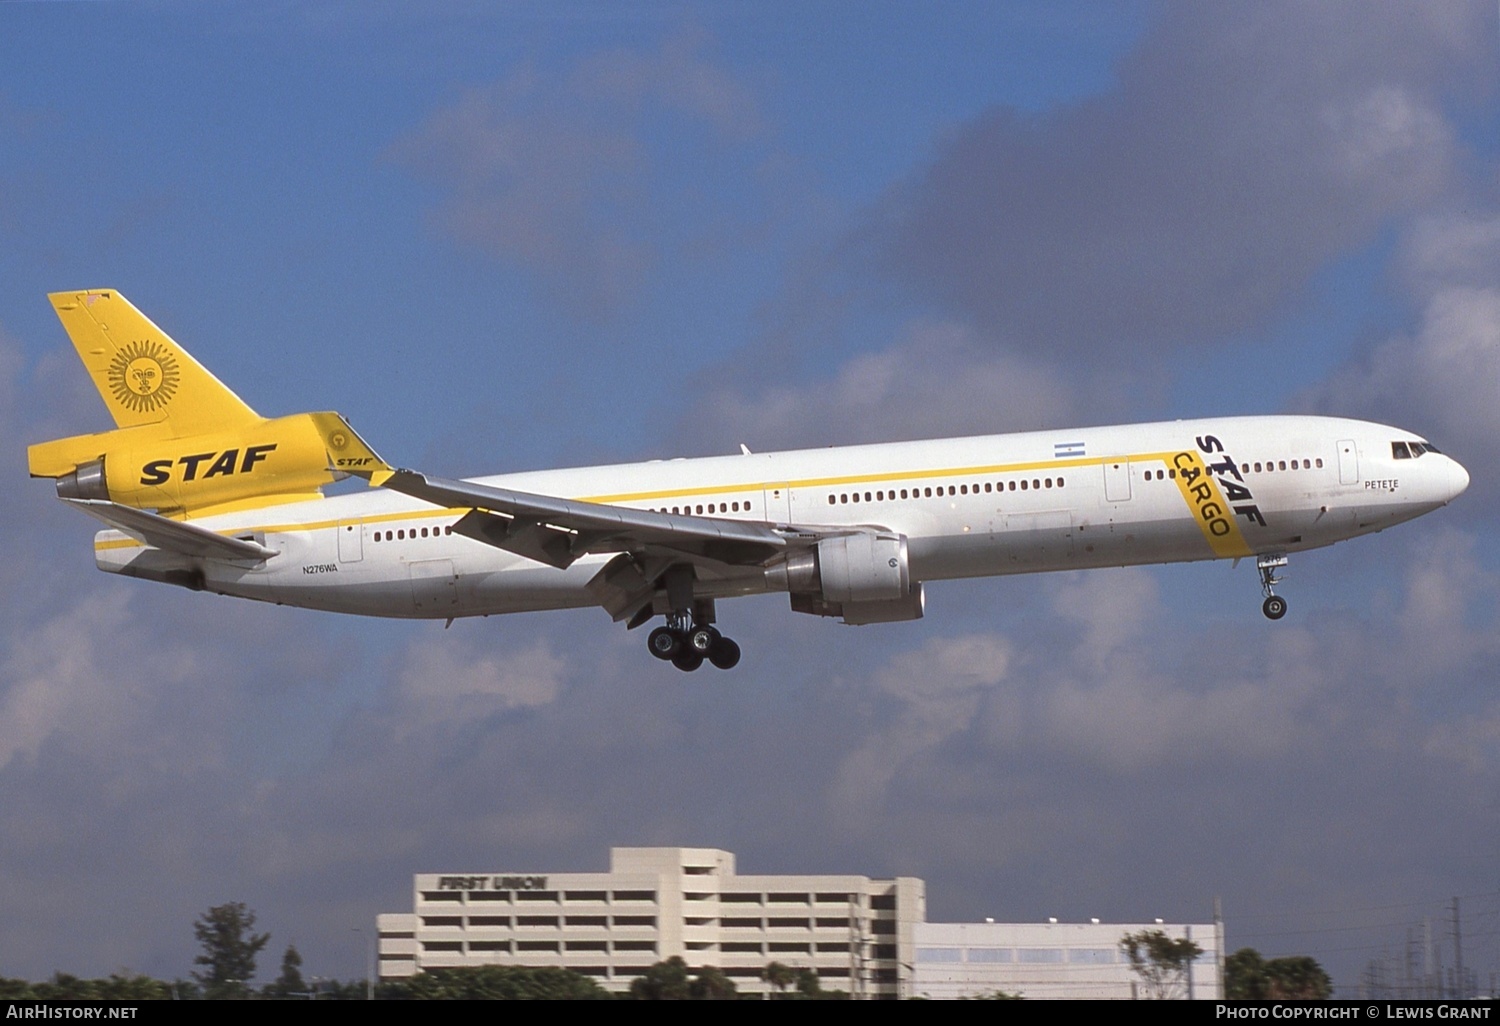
[199, 490]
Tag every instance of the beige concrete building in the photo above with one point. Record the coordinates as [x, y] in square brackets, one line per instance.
[1051, 960]
[653, 903]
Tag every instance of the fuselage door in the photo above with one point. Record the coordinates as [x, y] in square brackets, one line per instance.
[778, 503]
[1117, 480]
[1348, 462]
[351, 541]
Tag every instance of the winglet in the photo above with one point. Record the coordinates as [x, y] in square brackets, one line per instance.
[347, 452]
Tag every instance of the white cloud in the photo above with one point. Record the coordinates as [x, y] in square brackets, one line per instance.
[1244, 149]
[1439, 382]
[442, 683]
[563, 174]
[937, 380]
[1443, 251]
[940, 689]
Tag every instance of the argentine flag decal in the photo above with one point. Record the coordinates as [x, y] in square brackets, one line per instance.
[1062, 449]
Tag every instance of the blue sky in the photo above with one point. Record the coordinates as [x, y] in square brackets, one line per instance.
[515, 236]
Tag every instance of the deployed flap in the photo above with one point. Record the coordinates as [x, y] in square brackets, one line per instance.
[558, 531]
[172, 535]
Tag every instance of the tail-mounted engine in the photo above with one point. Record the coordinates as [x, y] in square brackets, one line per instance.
[271, 460]
[863, 578]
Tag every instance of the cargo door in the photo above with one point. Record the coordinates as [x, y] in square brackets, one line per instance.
[434, 586]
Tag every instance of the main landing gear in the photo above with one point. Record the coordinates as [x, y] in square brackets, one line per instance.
[690, 636]
[686, 647]
[1274, 606]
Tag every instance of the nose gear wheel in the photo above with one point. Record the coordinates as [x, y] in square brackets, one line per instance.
[1274, 606]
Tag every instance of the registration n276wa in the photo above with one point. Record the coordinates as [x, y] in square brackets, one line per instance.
[197, 489]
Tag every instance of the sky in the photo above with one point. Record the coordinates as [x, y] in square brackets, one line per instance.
[513, 236]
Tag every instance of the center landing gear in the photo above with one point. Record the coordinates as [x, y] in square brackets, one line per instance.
[689, 636]
[1274, 606]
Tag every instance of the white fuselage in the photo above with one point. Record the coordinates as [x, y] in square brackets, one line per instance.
[968, 507]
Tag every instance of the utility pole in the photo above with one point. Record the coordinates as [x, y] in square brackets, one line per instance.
[1219, 943]
[1458, 952]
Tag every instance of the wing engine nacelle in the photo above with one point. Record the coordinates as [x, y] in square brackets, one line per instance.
[863, 578]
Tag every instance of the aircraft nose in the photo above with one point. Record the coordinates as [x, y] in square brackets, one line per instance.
[1458, 479]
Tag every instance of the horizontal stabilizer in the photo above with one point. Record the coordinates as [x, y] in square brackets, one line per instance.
[347, 452]
[171, 535]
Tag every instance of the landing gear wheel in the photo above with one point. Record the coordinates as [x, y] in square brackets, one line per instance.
[724, 654]
[687, 660]
[702, 639]
[1274, 607]
[664, 643]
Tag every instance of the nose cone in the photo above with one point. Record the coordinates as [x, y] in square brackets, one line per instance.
[1458, 479]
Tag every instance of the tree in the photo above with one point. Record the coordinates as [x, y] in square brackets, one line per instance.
[290, 983]
[1249, 977]
[1298, 978]
[495, 983]
[1245, 976]
[230, 944]
[712, 985]
[664, 981]
[779, 976]
[1160, 961]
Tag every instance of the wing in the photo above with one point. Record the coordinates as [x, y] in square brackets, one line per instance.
[171, 535]
[558, 531]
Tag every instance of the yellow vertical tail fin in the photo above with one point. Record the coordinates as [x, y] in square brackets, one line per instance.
[143, 376]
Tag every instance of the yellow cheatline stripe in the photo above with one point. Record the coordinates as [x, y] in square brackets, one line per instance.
[827, 482]
[811, 482]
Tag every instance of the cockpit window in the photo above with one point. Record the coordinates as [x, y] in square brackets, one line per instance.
[1417, 449]
[1399, 451]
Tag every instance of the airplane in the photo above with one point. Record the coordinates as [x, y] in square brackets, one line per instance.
[197, 489]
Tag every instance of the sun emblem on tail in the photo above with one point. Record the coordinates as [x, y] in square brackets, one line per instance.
[143, 376]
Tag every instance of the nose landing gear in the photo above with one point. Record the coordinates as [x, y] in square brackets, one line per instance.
[1274, 606]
